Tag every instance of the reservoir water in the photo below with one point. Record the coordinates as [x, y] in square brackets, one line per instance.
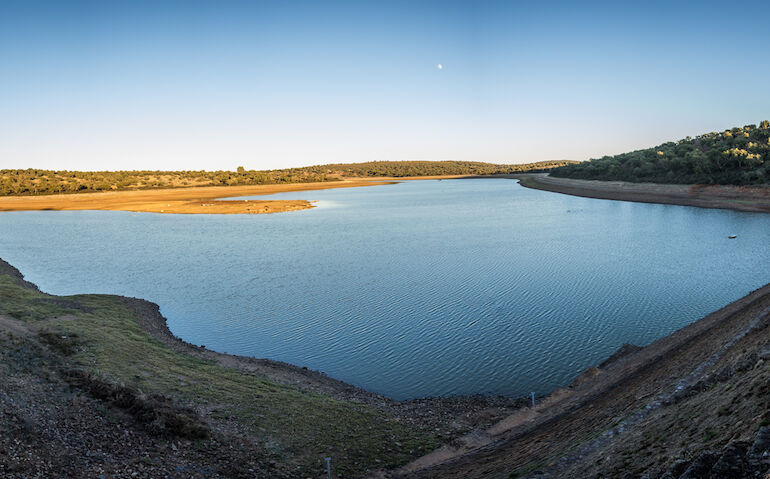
[421, 288]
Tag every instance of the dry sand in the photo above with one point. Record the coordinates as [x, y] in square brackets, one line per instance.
[180, 200]
[203, 200]
[194, 200]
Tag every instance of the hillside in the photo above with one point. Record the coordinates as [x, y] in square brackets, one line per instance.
[739, 156]
[44, 182]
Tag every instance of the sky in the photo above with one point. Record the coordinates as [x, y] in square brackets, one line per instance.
[172, 85]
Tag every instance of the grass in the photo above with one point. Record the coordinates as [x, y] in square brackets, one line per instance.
[104, 337]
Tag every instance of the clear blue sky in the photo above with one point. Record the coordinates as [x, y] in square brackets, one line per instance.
[214, 85]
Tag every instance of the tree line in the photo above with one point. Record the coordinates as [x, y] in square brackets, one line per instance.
[41, 182]
[739, 156]
[431, 168]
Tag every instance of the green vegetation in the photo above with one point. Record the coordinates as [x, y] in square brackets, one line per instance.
[432, 168]
[99, 335]
[740, 156]
[42, 182]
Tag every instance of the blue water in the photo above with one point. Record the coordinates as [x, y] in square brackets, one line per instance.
[415, 289]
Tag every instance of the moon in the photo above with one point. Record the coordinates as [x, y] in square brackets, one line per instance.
[440, 66]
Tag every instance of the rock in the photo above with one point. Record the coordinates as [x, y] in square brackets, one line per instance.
[761, 442]
[765, 353]
[724, 374]
[731, 464]
[680, 465]
[701, 466]
[745, 364]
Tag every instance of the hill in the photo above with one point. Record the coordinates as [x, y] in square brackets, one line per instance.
[43, 182]
[739, 156]
[400, 169]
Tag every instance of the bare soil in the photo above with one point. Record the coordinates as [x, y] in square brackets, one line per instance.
[739, 198]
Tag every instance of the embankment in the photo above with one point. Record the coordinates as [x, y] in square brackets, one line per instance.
[754, 199]
[696, 399]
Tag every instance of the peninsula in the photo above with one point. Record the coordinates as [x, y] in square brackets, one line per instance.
[191, 192]
[192, 200]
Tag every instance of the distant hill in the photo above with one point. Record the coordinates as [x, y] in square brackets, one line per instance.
[41, 182]
[432, 168]
[740, 156]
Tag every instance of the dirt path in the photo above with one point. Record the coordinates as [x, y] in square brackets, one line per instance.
[717, 196]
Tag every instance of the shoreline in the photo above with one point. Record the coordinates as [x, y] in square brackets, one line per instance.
[755, 200]
[497, 433]
[441, 419]
[207, 199]
[192, 200]
[155, 324]
[608, 401]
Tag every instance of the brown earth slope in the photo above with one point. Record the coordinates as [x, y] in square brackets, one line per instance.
[740, 198]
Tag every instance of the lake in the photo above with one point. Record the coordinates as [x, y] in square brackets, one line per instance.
[422, 288]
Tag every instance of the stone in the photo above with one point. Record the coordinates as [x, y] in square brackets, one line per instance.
[761, 442]
[731, 463]
[701, 466]
[765, 353]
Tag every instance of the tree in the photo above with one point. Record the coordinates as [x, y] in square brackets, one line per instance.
[736, 156]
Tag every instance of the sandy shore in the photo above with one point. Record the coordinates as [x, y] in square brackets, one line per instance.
[727, 197]
[205, 200]
[194, 200]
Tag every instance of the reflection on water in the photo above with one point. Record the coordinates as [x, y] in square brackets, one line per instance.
[420, 288]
